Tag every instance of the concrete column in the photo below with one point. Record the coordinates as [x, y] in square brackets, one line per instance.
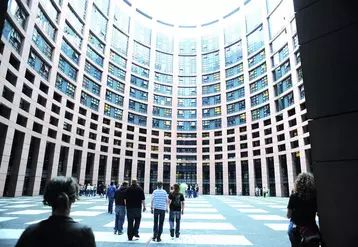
[53, 169]
[238, 177]
[146, 176]
[290, 173]
[160, 170]
[108, 175]
[71, 152]
[251, 177]
[304, 161]
[6, 158]
[95, 168]
[212, 178]
[121, 169]
[278, 179]
[264, 173]
[225, 176]
[82, 168]
[36, 171]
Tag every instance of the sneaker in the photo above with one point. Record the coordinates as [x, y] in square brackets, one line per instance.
[137, 236]
[172, 233]
[130, 239]
[177, 235]
[159, 240]
[154, 238]
[120, 233]
[115, 231]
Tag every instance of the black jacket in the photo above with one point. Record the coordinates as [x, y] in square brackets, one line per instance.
[57, 231]
[119, 196]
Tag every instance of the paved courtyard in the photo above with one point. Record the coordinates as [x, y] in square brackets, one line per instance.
[207, 221]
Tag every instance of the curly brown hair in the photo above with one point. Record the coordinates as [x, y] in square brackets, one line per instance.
[305, 186]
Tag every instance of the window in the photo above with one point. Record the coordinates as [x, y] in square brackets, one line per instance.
[69, 51]
[67, 68]
[142, 33]
[164, 62]
[42, 44]
[165, 43]
[113, 112]
[93, 71]
[141, 54]
[97, 59]
[12, 35]
[161, 124]
[89, 101]
[187, 65]
[119, 42]
[233, 53]
[255, 40]
[91, 86]
[98, 23]
[234, 70]
[259, 98]
[38, 65]
[236, 107]
[72, 37]
[115, 84]
[261, 112]
[210, 62]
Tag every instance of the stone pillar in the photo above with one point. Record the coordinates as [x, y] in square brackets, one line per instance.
[251, 177]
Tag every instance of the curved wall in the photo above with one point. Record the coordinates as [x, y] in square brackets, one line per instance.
[104, 92]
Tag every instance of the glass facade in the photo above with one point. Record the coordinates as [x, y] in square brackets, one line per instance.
[144, 97]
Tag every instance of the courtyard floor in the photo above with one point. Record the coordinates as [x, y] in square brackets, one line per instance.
[207, 221]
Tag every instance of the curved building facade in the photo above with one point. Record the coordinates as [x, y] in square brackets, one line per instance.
[101, 91]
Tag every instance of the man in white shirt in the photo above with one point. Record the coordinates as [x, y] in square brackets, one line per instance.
[158, 208]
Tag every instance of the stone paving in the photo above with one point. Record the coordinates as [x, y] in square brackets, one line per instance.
[207, 221]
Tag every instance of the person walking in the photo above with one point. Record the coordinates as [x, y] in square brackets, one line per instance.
[197, 190]
[120, 209]
[176, 206]
[302, 210]
[59, 230]
[158, 208]
[110, 195]
[134, 200]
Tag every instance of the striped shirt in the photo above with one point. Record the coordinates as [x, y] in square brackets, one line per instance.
[159, 199]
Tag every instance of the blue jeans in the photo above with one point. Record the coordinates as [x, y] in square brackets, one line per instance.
[120, 215]
[110, 204]
[175, 216]
[158, 226]
[294, 235]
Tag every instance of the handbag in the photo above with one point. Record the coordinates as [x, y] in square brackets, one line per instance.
[310, 235]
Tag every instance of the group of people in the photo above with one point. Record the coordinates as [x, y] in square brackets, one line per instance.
[130, 201]
[262, 191]
[191, 190]
[92, 190]
[60, 230]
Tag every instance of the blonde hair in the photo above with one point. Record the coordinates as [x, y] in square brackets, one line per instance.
[305, 186]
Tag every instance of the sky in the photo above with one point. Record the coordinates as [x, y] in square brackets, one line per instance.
[187, 12]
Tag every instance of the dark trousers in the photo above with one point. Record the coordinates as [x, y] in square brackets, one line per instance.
[175, 216]
[158, 228]
[110, 204]
[134, 215]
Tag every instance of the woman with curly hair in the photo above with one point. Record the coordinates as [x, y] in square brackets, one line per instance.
[302, 210]
[59, 230]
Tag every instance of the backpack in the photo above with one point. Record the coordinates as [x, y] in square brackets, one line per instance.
[176, 200]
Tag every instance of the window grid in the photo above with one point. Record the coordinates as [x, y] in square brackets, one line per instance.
[121, 19]
[259, 98]
[46, 25]
[96, 43]
[255, 41]
[209, 43]
[236, 107]
[162, 100]
[142, 34]
[211, 112]
[89, 101]
[97, 59]
[235, 82]
[80, 6]
[163, 78]
[260, 70]
[187, 47]
[93, 71]
[138, 94]
[165, 43]
[186, 102]
[236, 120]
[18, 12]
[161, 124]
[75, 22]
[72, 37]
[281, 71]
[162, 112]
[115, 84]
[234, 70]
[70, 52]
[186, 114]
[261, 112]
[114, 98]
[257, 59]
[119, 42]
[258, 85]
[12, 35]
[232, 33]
[113, 112]
[103, 5]
[65, 86]
[212, 124]
[187, 91]
[211, 89]
[284, 102]
[211, 78]
[140, 70]
[236, 94]
[280, 56]
[98, 23]
[163, 89]
[67, 68]
[91, 86]
[283, 86]
[141, 54]
[137, 106]
[42, 44]
[164, 62]
[233, 53]
[186, 126]
[212, 100]
[38, 65]
[139, 82]
[187, 80]
[117, 72]
[120, 61]
[137, 119]
[187, 65]
[210, 62]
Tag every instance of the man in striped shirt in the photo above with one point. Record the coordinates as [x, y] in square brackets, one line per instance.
[159, 207]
